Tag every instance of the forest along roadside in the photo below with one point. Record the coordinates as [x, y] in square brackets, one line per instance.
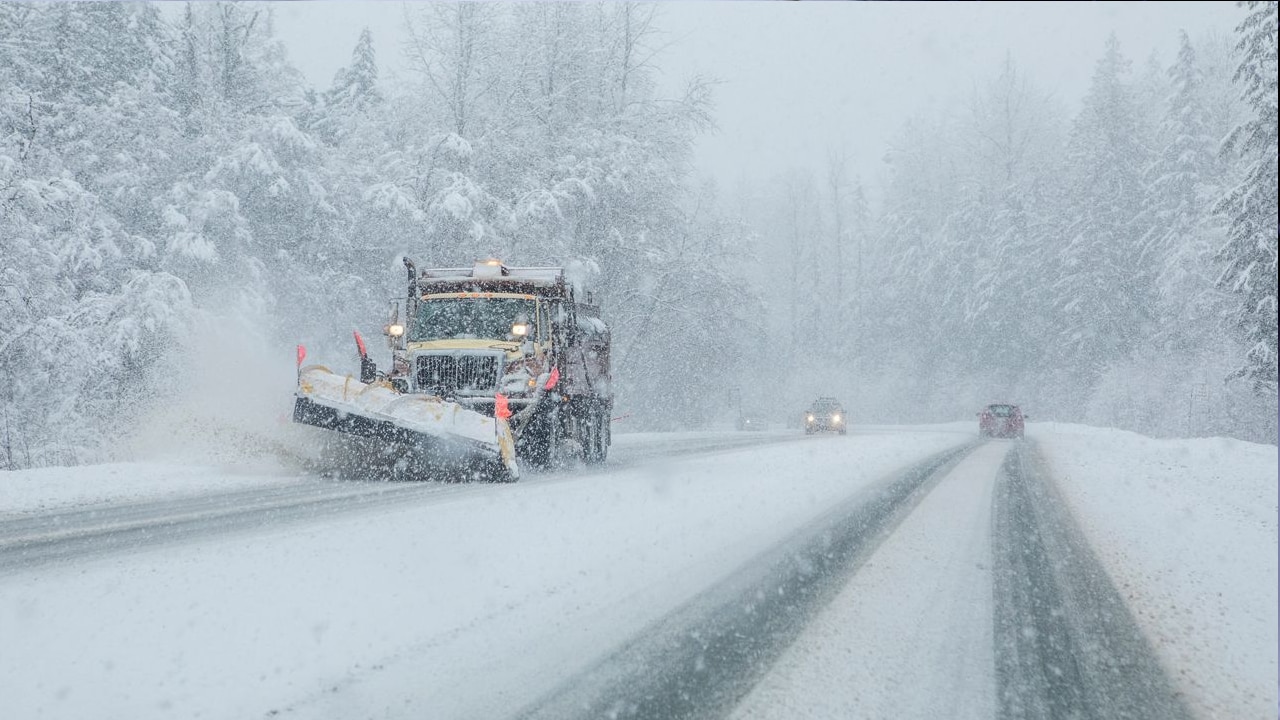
[449, 610]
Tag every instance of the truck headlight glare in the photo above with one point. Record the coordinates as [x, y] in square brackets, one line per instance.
[835, 418]
[395, 330]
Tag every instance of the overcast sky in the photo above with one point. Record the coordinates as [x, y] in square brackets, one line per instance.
[799, 78]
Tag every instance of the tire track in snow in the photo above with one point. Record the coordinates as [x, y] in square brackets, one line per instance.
[1066, 643]
[909, 637]
[700, 660]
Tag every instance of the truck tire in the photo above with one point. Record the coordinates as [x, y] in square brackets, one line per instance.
[599, 435]
[591, 434]
[602, 434]
[587, 434]
[537, 441]
[583, 429]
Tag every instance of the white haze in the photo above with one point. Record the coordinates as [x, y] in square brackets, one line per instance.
[798, 80]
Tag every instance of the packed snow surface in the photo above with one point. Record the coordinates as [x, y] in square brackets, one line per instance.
[473, 600]
[910, 636]
[1187, 531]
[449, 608]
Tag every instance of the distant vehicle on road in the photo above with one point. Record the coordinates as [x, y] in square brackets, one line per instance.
[826, 413]
[751, 421]
[1001, 420]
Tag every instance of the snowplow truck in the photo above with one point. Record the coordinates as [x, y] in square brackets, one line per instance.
[522, 346]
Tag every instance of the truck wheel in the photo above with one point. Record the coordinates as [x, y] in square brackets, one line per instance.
[602, 435]
[537, 440]
[587, 435]
[594, 449]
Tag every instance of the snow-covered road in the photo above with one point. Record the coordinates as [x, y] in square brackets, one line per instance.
[910, 635]
[58, 521]
[768, 576]
[456, 601]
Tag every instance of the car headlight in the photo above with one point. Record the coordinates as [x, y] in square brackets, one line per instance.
[835, 418]
[810, 418]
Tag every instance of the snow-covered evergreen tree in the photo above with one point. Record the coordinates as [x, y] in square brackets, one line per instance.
[1104, 292]
[1249, 254]
[353, 94]
[1181, 181]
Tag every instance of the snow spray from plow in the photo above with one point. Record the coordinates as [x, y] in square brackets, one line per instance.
[457, 442]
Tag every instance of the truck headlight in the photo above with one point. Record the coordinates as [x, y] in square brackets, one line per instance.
[520, 329]
[395, 330]
[809, 418]
[835, 418]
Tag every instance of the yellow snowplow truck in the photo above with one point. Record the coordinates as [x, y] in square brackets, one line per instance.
[521, 350]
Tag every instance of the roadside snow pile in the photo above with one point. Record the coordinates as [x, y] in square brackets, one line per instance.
[43, 490]
[1187, 531]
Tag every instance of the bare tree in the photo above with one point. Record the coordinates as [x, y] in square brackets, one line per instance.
[453, 46]
[1008, 124]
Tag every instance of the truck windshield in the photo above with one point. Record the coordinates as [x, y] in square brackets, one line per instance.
[470, 318]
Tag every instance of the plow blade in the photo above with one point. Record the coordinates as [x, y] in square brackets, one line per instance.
[453, 440]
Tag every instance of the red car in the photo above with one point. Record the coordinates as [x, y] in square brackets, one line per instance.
[1002, 421]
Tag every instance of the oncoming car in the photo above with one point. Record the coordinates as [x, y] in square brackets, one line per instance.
[826, 413]
[1001, 420]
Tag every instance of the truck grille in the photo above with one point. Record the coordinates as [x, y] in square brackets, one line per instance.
[457, 375]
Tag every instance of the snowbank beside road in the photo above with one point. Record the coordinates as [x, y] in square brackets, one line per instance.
[43, 490]
[1187, 531]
